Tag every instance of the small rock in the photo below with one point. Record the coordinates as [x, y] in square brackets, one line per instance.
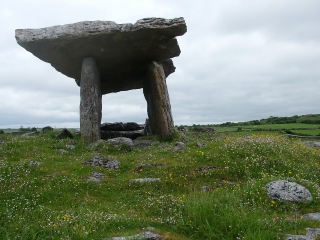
[144, 180]
[34, 163]
[62, 151]
[206, 168]
[179, 146]
[297, 237]
[206, 188]
[201, 145]
[121, 141]
[312, 216]
[95, 177]
[288, 191]
[64, 134]
[141, 236]
[72, 147]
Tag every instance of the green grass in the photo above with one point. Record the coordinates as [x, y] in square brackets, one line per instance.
[54, 201]
[307, 132]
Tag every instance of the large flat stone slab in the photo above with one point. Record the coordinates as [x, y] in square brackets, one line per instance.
[122, 52]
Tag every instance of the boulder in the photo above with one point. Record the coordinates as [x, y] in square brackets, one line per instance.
[123, 52]
[64, 134]
[120, 141]
[179, 146]
[288, 191]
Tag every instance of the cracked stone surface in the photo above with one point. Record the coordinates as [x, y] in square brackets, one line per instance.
[312, 216]
[144, 180]
[106, 162]
[288, 191]
[95, 177]
[141, 236]
[123, 52]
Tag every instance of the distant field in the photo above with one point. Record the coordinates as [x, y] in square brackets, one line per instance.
[312, 129]
[283, 126]
[307, 132]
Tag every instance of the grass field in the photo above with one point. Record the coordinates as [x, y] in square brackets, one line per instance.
[312, 129]
[54, 200]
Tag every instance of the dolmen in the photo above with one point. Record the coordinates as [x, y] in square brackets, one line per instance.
[105, 57]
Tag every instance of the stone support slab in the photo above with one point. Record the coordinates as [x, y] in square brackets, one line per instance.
[158, 103]
[90, 102]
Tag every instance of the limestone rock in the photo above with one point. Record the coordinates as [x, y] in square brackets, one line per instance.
[72, 147]
[312, 216]
[145, 180]
[288, 191]
[141, 236]
[95, 177]
[122, 51]
[179, 146]
[121, 140]
[62, 151]
[106, 162]
[34, 163]
[90, 101]
[158, 103]
[64, 134]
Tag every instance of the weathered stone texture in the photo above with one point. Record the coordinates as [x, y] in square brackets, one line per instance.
[122, 51]
[91, 101]
[158, 102]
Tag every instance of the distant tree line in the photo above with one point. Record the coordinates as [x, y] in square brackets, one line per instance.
[309, 119]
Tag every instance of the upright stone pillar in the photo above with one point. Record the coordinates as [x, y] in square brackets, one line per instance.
[91, 101]
[158, 103]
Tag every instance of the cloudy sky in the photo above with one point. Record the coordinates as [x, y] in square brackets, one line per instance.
[240, 60]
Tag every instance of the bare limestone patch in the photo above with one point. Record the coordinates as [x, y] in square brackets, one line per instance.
[288, 191]
[141, 236]
[145, 180]
[107, 162]
[95, 177]
[312, 216]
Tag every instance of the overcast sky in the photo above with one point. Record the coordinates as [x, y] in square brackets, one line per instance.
[240, 60]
